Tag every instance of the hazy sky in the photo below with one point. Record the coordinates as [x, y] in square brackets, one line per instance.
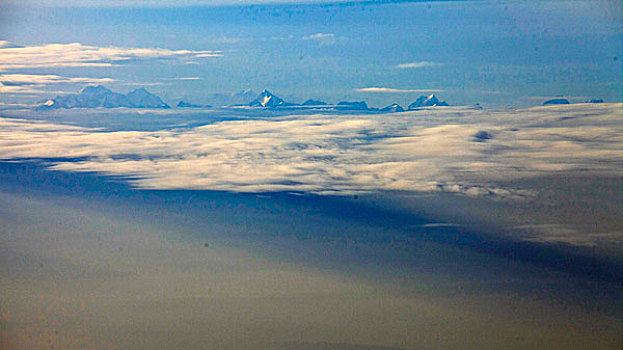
[499, 53]
[252, 228]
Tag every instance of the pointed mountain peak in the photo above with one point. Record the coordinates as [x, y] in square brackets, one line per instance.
[94, 96]
[427, 101]
[144, 99]
[393, 108]
[140, 92]
[266, 99]
[94, 90]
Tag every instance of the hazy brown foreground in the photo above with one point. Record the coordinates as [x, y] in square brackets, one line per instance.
[86, 272]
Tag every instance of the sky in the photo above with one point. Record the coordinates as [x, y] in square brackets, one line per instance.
[499, 54]
[469, 226]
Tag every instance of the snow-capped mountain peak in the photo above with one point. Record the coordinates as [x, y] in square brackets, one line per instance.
[427, 101]
[266, 99]
[94, 96]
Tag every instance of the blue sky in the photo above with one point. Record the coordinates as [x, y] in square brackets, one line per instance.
[495, 53]
[449, 227]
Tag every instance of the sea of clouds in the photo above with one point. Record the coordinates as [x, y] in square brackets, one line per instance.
[457, 149]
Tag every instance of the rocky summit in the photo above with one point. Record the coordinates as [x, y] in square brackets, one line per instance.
[101, 97]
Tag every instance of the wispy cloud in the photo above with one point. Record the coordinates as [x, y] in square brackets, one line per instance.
[6, 44]
[322, 38]
[228, 40]
[489, 92]
[420, 64]
[33, 84]
[34, 79]
[78, 55]
[319, 36]
[281, 38]
[392, 90]
[21, 89]
[555, 233]
[143, 84]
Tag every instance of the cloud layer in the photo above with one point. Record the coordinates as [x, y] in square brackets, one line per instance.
[420, 64]
[32, 79]
[32, 84]
[428, 150]
[319, 36]
[78, 55]
[392, 90]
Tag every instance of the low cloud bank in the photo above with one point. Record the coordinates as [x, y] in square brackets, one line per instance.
[427, 150]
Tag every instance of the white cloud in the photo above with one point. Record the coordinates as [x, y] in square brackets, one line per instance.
[281, 38]
[33, 79]
[4, 43]
[392, 90]
[21, 89]
[420, 64]
[78, 55]
[489, 92]
[144, 84]
[319, 36]
[322, 38]
[32, 84]
[228, 40]
[428, 150]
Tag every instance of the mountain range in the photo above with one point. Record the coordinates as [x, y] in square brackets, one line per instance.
[243, 97]
[267, 99]
[184, 104]
[99, 96]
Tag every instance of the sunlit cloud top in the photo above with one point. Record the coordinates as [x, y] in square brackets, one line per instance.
[33, 79]
[454, 149]
[78, 55]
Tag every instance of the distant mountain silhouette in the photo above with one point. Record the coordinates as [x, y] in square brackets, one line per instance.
[427, 101]
[311, 102]
[141, 98]
[267, 99]
[556, 101]
[352, 106]
[99, 96]
[243, 97]
[392, 108]
[184, 104]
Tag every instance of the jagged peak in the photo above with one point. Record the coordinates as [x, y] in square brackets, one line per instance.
[91, 89]
[141, 91]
